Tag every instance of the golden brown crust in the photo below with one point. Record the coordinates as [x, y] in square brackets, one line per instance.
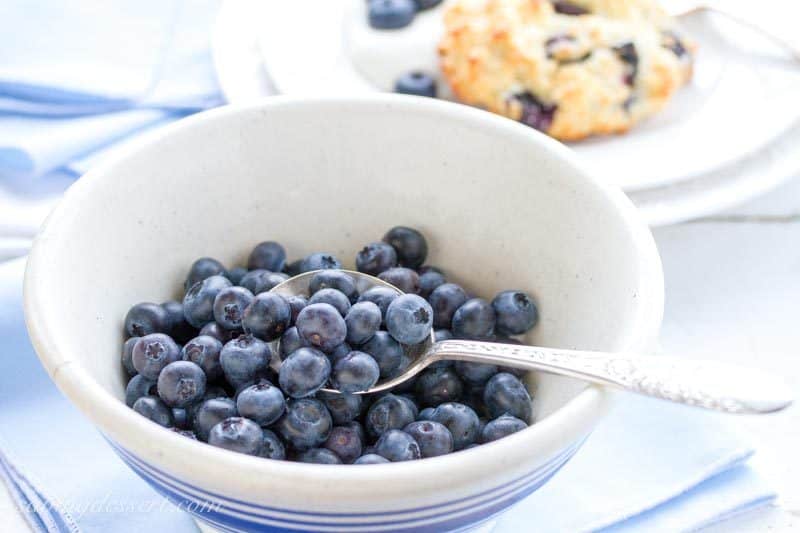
[570, 76]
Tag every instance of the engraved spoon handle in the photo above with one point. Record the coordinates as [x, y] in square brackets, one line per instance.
[708, 384]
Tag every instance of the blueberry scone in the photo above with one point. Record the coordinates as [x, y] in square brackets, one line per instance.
[570, 68]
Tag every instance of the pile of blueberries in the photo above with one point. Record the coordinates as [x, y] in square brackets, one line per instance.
[202, 366]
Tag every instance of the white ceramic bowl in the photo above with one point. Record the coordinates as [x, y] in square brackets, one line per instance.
[502, 207]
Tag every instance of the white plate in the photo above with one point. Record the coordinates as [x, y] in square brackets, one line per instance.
[241, 38]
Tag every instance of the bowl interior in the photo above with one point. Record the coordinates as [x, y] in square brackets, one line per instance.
[501, 206]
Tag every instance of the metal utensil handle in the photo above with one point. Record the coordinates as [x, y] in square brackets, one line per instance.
[708, 384]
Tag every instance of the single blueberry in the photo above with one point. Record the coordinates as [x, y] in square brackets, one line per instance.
[322, 326]
[506, 394]
[211, 412]
[290, 341]
[475, 373]
[229, 306]
[371, 459]
[272, 446]
[411, 402]
[198, 304]
[203, 268]
[320, 456]
[565, 7]
[534, 112]
[334, 279]
[267, 316]
[515, 311]
[391, 14]
[304, 372]
[174, 312]
[152, 408]
[462, 422]
[258, 281]
[262, 403]
[426, 413]
[386, 351]
[375, 258]
[182, 417]
[204, 350]
[244, 359]
[433, 438]
[345, 442]
[388, 412]
[438, 385]
[237, 434]
[403, 278]
[333, 297]
[146, 318]
[138, 387]
[355, 372]
[267, 256]
[343, 408]
[152, 353]
[410, 244]
[306, 424]
[397, 445]
[127, 355]
[416, 83]
[627, 54]
[380, 296]
[500, 427]
[445, 300]
[181, 383]
[296, 304]
[236, 274]
[409, 319]
[319, 261]
[362, 321]
[475, 319]
[212, 329]
[429, 281]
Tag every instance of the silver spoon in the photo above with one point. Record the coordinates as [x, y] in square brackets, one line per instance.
[708, 384]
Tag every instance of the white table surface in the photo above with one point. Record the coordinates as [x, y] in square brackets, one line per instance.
[733, 291]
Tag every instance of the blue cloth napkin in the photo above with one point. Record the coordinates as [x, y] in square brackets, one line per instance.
[77, 76]
[650, 466]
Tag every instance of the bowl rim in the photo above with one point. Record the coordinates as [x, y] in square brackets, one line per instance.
[570, 422]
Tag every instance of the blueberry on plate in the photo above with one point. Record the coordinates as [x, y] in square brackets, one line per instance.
[267, 316]
[272, 447]
[152, 353]
[475, 373]
[306, 424]
[198, 304]
[267, 255]
[516, 313]
[409, 319]
[445, 300]
[439, 385]
[429, 281]
[403, 278]
[127, 354]
[397, 445]
[416, 83]
[506, 394]
[391, 14]
[210, 413]
[203, 268]
[386, 351]
[333, 297]
[237, 434]
[319, 261]
[236, 274]
[244, 359]
[376, 257]
[371, 459]
[304, 372]
[334, 279]
[263, 403]
[320, 456]
[363, 320]
[344, 408]
[345, 442]
[152, 408]
[475, 319]
[146, 318]
[500, 427]
[355, 372]
[462, 422]
[290, 341]
[138, 387]
[433, 438]
[380, 296]
[181, 383]
[388, 412]
[204, 350]
[229, 306]
[322, 326]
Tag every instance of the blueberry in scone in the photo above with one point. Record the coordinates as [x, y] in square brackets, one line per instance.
[569, 68]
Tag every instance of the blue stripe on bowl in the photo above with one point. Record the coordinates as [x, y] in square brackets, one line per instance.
[247, 516]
